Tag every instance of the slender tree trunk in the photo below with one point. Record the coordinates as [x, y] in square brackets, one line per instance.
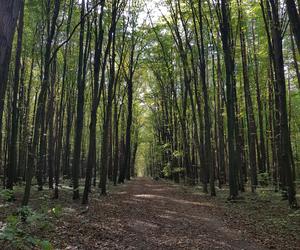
[59, 123]
[261, 148]
[51, 136]
[125, 171]
[207, 119]
[116, 142]
[127, 159]
[110, 95]
[80, 109]
[251, 125]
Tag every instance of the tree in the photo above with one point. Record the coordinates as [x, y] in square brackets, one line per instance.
[9, 13]
[226, 36]
[98, 88]
[82, 61]
[285, 151]
[40, 111]
[134, 41]
[294, 17]
[249, 106]
[12, 159]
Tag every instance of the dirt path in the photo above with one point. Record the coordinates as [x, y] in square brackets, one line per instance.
[148, 214]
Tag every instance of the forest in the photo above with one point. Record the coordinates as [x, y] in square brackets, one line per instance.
[135, 124]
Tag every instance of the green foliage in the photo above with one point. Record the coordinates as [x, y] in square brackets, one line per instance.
[25, 212]
[177, 154]
[167, 171]
[56, 211]
[264, 179]
[179, 170]
[19, 229]
[44, 244]
[166, 146]
[6, 194]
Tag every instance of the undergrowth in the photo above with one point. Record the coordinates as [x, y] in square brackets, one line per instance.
[22, 229]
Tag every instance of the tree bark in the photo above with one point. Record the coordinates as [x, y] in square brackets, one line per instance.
[80, 107]
[230, 97]
[285, 157]
[12, 151]
[294, 17]
[9, 13]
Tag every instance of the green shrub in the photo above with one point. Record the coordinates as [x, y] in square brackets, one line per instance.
[57, 211]
[167, 171]
[7, 194]
[19, 229]
[264, 179]
[178, 170]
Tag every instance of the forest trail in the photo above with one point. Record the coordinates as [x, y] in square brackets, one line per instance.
[149, 214]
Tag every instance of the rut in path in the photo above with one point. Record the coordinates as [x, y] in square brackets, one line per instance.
[148, 214]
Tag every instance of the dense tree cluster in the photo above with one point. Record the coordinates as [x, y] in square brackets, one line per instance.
[226, 87]
[67, 98]
[216, 84]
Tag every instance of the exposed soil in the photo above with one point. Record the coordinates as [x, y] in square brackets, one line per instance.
[149, 214]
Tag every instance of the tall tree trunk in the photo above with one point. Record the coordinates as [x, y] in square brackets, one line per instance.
[91, 164]
[261, 148]
[251, 125]
[59, 122]
[294, 17]
[12, 152]
[116, 142]
[80, 108]
[9, 13]
[296, 66]
[207, 122]
[285, 158]
[25, 122]
[125, 171]
[126, 164]
[110, 95]
[51, 136]
[230, 96]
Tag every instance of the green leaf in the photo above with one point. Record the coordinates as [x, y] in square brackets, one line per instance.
[46, 245]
